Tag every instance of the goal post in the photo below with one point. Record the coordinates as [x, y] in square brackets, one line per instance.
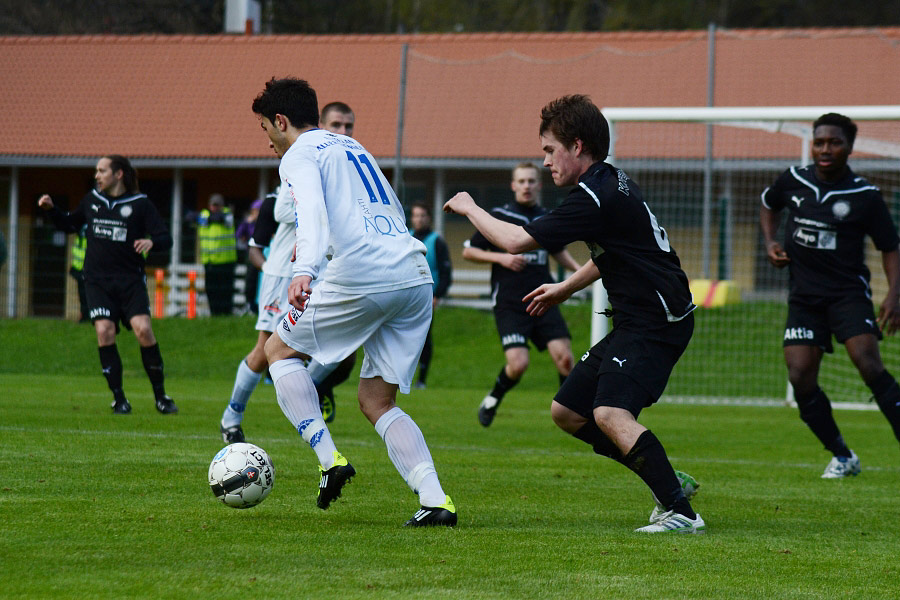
[702, 170]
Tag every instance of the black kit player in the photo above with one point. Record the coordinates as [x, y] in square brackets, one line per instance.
[513, 276]
[830, 211]
[122, 225]
[652, 309]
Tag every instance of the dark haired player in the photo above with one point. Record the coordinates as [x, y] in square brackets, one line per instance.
[652, 309]
[830, 211]
[122, 225]
[375, 293]
[513, 276]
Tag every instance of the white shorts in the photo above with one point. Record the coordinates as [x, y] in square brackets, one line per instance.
[273, 301]
[390, 326]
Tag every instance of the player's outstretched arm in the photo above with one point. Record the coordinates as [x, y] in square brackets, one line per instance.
[507, 236]
[889, 311]
[45, 202]
[550, 294]
[513, 262]
[567, 260]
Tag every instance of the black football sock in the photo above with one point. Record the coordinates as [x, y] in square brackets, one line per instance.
[153, 365]
[425, 358]
[648, 459]
[887, 395]
[815, 410]
[503, 385]
[111, 363]
[562, 379]
[595, 438]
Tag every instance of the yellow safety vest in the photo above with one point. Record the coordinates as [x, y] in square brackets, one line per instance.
[78, 249]
[217, 243]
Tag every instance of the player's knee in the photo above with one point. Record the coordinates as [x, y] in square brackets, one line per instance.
[565, 418]
[516, 367]
[565, 363]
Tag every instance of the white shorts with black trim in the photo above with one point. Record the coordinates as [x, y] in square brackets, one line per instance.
[273, 302]
[390, 326]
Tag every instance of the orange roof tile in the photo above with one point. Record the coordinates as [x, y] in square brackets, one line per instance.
[468, 95]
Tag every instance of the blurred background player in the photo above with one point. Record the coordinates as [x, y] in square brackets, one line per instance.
[830, 211]
[218, 254]
[513, 276]
[438, 256]
[651, 302]
[242, 236]
[274, 229]
[337, 117]
[375, 293]
[122, 225]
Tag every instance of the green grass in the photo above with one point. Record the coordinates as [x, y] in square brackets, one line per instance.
[100, 506]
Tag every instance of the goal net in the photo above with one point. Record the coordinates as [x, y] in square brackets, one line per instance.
[702, 171]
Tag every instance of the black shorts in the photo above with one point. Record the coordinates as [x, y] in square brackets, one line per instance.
[516, 327]
[629, 368]
[117, 299]
[812, 322]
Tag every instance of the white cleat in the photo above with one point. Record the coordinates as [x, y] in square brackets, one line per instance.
[672, 522]
[841, 466]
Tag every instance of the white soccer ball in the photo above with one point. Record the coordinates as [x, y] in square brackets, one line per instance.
[241, 475]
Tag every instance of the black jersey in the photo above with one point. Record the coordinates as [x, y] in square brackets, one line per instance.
[113, 225]
[826, 229]
[640, 270]
[508, 287]
[266, 224]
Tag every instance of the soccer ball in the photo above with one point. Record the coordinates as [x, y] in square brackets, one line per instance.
[241, 475]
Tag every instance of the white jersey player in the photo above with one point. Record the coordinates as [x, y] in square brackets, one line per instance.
[375, 293]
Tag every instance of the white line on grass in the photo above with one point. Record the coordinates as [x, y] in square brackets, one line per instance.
[266, 441]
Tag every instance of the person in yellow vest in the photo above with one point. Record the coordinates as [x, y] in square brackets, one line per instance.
[76, 271]
[218, 253]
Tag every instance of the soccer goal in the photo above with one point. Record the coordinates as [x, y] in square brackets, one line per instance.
[702, 171]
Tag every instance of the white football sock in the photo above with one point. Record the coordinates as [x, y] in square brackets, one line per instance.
[319, 372]
[407, 450]
[299, 402]
[244, 383]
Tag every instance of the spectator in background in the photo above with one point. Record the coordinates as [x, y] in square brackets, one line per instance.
[337, 117]
[243, 234]
[438, 256]
[76, 271]
[218, 254]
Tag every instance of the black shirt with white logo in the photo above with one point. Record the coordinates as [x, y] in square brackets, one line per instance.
[113, 225]
[508, 287]
[640, 270]
[826, 228]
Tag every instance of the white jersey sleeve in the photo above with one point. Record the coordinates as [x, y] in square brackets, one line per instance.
[345, 207]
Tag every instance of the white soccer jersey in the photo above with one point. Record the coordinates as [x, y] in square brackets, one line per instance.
[345, 206]
[278, 262]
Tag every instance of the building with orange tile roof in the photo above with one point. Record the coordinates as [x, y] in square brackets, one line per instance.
[179, 106]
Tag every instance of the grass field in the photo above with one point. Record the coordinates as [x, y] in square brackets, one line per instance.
[100, 506]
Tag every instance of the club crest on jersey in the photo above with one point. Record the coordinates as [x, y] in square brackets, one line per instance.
[841, 209]
[125, 211]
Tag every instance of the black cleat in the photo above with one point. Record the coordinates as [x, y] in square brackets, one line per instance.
[427, 516]
[333, 480]
[487, 409]
[166, 405]
[232, 435]
[120, 406]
